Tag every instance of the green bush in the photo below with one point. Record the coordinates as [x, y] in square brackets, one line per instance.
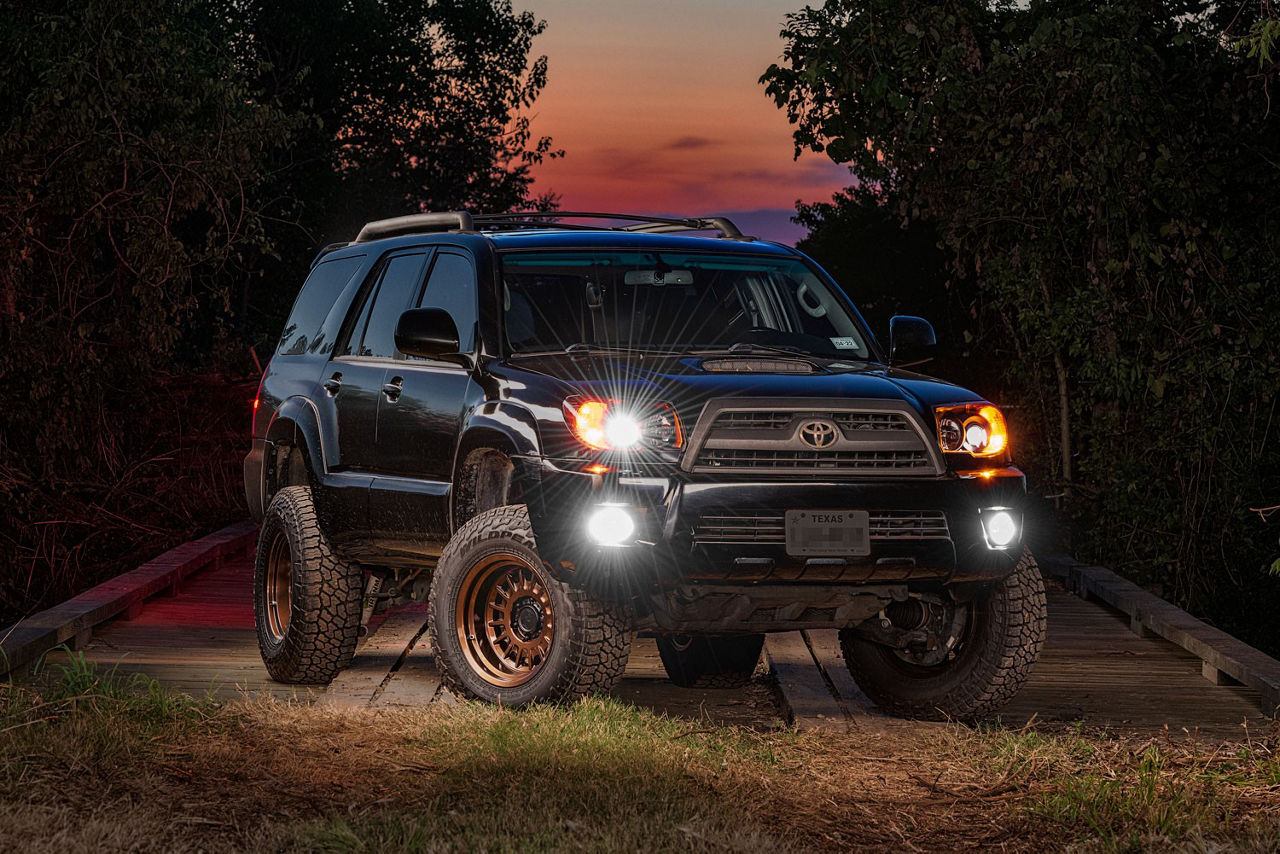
[1105, 176]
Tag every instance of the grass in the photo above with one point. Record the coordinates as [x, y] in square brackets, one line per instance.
[91, 760]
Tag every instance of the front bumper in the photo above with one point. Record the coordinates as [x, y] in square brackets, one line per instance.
[700, 529]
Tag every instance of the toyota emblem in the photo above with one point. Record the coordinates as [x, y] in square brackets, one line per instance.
[818, 434]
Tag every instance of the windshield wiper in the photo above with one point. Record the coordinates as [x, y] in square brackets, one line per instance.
[582, 348]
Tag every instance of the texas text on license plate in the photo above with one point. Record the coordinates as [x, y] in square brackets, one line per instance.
[828, 532]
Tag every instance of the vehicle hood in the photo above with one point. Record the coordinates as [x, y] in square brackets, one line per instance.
[688, 385]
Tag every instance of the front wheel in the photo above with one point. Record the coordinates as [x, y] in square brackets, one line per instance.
[989, 646]
[506, 631]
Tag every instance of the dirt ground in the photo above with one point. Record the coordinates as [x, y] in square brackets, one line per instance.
[86, 764]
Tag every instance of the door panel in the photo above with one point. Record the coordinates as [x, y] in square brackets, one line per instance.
[348, 396]
[351, 389]
[419, 420]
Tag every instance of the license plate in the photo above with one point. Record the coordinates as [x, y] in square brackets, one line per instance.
[828, 532]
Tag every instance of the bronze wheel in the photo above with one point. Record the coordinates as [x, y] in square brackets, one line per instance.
[279, 590]
[505, 619]
[506, 630]
[985, 652]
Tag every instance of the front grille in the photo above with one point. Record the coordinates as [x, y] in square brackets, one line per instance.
[772, 437]
[909, 525]
[850, 421]
[753, 420]
[763, 528]
[744, 528]
[782, 419]
[847, 461]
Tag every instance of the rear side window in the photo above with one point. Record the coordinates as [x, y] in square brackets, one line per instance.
[302, 334]
[452, 287]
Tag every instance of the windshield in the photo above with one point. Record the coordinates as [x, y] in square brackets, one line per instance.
[673, 301]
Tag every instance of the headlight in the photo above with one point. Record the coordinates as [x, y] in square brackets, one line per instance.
[611, 425]
[975, 428]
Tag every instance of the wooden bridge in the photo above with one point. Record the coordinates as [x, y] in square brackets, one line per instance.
[1119, 658]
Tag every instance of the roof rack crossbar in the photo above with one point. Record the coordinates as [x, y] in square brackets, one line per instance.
[416, 224]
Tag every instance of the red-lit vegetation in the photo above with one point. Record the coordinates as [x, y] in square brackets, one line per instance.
[170, 169]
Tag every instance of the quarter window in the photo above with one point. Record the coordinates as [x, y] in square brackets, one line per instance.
[303, 333]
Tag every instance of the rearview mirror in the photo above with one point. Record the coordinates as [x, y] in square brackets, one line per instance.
[658, 278]
[429, 333]
[911, 340]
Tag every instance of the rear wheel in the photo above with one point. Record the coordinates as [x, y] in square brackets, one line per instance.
[704, 661]
[987, 649]
[306, 599]
[505, 630]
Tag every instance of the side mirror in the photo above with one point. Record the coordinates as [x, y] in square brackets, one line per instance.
[911, 340]
[429, 333]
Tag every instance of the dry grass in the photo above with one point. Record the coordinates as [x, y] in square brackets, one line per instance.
[95, 763]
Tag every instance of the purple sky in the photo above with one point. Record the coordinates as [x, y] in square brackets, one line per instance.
[658, 109]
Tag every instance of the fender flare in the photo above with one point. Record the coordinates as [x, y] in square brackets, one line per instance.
[297, 425]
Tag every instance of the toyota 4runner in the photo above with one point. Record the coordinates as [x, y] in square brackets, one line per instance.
[560, 432]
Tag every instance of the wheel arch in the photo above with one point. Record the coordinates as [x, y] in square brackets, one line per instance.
[295, 454]
[492, 458]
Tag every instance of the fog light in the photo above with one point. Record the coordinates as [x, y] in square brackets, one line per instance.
[1000, 527]
[611, 526]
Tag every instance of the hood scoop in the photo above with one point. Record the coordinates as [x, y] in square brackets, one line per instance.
[757, 365]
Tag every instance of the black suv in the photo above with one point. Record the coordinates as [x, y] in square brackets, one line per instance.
[559, 432]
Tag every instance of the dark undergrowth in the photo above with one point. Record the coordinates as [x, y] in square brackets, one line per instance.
[160, 473]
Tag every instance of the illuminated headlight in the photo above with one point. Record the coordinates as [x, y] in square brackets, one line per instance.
[622, 431]
[610, 526]
[977, 429]
[611, 425]
[1000, 528]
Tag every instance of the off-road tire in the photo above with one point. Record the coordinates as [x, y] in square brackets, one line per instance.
[324, 610]
[591, 640]
[997, 655]
[706, 661]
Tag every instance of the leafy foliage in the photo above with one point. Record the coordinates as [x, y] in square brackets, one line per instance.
[413, 105]
[130, 152]
[1106, 174]
[169, 168]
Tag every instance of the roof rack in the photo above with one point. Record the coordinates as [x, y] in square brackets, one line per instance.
[456, 221]
[639, 222]
[415, 224]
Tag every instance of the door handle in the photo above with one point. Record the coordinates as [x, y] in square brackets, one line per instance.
[332, 384]
[392, 389]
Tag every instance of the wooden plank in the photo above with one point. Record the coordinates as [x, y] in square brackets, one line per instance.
[417, 681]
[382, 653]
[809, 702]
[825, 646]
[28, 639]
[1221, 651]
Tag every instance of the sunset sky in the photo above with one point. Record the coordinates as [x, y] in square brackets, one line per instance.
[658, 109]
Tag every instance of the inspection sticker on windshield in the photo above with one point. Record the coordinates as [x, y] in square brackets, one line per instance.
[845, 343]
